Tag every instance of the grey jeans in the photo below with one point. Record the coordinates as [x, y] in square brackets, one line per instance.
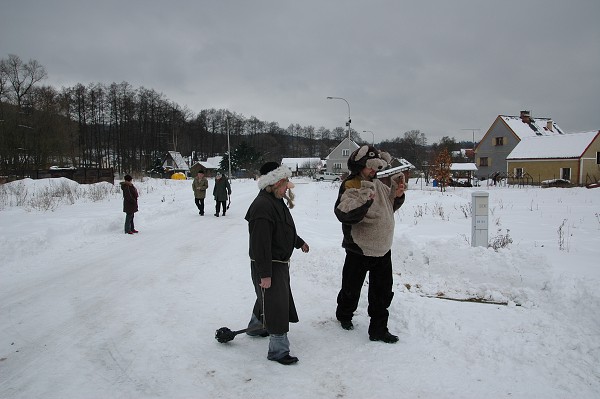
[279, 346]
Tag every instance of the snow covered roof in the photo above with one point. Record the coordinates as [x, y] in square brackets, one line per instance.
[213, 162]
[571, 145]
[404, 165]
[208, 165]
[464, 166]
[178, 161]
[295, 163]
[538, 126]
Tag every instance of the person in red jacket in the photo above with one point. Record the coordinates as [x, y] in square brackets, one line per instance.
[130, 203]
[273, 238]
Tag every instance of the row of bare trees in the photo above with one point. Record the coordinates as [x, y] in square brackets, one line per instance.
[127, 128]
[130, 129]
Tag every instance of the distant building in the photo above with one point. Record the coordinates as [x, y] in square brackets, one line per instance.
[174, 161]
[337, 160]
[504, 135]
[303, 166]
[574, 157]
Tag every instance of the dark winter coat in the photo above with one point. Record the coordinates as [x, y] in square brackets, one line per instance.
[273, 238]
[367, 224]
[222, 189]
[130, 197]
[272, 232]
[200, 186]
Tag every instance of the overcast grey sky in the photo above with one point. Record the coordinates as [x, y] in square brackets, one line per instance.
[437, 66]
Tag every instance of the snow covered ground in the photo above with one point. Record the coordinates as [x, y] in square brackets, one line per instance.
[89, 312]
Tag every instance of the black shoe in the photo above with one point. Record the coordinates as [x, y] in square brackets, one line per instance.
[387, 338]
[223, 213]
[347, 324]
[287, 360]
[216, 214]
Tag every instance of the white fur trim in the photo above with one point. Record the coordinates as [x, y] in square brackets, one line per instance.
[282, 172]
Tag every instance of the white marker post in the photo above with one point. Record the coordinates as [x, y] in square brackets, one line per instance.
[479, 225]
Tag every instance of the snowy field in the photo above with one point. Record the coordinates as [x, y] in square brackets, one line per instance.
[89, 312]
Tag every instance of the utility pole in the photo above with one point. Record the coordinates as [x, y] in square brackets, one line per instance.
[473, 130]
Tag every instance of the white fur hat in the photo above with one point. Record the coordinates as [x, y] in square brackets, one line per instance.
[271, 173]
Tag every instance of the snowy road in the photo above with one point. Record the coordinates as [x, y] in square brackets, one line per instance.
[88, 312]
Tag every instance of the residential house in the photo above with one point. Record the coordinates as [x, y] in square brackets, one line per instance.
[337, 160]
[174, 161]
[303, 166]
[504, 135]
[210, 166]
[574, 157]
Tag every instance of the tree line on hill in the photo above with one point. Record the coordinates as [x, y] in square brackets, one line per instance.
[126, 128]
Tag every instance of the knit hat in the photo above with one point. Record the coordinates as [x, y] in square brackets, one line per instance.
[271, 173]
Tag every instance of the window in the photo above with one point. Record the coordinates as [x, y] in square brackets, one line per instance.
[565, 173]
[518, 173]
[499, 141]
[346, 152]
[598, 158]
[483, 161]
[337, 166]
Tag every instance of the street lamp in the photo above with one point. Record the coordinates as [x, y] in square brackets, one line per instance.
[228, 146]
[349, 120]
[369, 131]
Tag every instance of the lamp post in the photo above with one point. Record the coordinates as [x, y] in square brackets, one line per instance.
[228, 146]
[349, 120]
[369, 131]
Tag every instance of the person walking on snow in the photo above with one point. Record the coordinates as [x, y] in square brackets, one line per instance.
[199, 186]
[273, 238]
[130, 203]
[366, 207]
[221, 192]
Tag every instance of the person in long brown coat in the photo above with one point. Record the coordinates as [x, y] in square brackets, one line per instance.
[273, 238]
[130, 203]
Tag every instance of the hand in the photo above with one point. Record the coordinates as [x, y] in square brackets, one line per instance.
[400, 190]
[401, 186]
[305, 247]
[265, 282]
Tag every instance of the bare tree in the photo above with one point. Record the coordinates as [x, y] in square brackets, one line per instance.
[23, 76]
[441, 168]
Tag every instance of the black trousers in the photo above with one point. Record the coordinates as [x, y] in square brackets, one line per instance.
[218, 206]
[380, 295]
[200, 204]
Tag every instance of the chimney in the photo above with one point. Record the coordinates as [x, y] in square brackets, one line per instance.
[525, 115]
[549, 125]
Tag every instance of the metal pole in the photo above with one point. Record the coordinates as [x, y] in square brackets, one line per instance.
[349, 119]
[369, 131]
[228, 147]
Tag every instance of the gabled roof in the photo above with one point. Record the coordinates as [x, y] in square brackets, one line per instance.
[571, 145]
[213, 162]
[353, 146]
[178, 161]
[538, 126]
[463, 166]
[403, 165]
